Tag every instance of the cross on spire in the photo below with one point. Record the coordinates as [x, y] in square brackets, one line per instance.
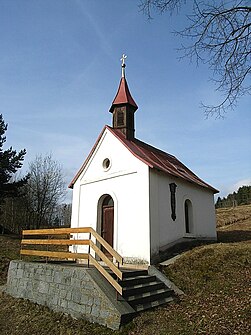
[123, 65]
[123, 107]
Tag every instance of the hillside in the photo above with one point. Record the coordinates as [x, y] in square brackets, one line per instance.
[215, 279]
[227, 216]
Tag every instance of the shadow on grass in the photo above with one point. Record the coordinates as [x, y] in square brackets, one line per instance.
[180, 248]
[234, 236]
[230, 236]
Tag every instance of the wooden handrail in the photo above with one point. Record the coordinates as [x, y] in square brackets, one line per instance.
[107, 261]
[54, 254]
[62, 231]
[107, 246]
[56, 242]
[57, 231]
[102, 270]
[71, 255]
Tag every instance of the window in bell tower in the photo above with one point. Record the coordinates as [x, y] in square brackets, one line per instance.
[120, 118]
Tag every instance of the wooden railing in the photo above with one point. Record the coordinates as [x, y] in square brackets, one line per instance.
[90, 257]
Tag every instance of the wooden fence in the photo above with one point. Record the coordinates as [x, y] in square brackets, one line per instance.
[94, 242]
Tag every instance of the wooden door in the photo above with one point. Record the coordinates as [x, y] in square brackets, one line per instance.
[107, 225]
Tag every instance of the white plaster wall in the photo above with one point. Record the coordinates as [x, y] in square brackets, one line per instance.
[127, 182]
[163, 229]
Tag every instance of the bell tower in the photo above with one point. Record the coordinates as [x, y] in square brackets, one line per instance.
[124, 107]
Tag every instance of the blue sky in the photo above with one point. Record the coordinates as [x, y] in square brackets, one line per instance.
[60, 70]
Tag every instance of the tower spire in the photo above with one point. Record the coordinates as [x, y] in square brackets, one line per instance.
[123, 106]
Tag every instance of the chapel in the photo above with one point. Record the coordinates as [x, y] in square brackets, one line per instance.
[140, 199]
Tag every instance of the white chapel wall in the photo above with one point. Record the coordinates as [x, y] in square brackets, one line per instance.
[163, 229]
[127, 182]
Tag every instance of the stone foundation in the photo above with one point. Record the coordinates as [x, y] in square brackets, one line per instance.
[75, 290]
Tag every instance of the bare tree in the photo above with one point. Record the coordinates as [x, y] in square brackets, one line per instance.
[220, 32]
[14, 216]
[45, 189]
[63, 216]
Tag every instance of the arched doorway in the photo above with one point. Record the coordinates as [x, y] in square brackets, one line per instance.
[107, 220]
[188, 216]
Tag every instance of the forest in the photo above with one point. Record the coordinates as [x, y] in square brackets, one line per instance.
[239, 198]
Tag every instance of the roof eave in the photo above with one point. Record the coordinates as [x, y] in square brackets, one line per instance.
[87, 159]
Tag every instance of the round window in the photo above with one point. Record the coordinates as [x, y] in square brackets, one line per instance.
[106, 163]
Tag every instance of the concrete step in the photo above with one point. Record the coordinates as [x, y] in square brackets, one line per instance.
[152, 296]
[141, 288]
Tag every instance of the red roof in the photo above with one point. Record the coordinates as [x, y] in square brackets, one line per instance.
[123, 95]
[153, 157]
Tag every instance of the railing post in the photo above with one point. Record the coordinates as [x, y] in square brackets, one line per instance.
[46, 258]
[117, 294]
[21, 246]
[89, 250]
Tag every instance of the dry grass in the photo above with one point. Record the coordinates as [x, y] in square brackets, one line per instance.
[214, 277]
[234, 224]
[228, 216]
[9, 249]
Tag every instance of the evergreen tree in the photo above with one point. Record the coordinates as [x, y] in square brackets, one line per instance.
[241, 197]
[10, 162]
[218, 203]
[244, 195]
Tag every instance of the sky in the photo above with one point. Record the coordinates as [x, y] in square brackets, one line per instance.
[60, 69]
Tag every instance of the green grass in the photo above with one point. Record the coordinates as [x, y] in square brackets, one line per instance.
[215, 279]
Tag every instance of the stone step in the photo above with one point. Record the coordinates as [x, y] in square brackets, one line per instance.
[129, 273]
[143, 291]
[131, 281]
[152, 296]
[134, 273]
[141, 288]
[152, 304]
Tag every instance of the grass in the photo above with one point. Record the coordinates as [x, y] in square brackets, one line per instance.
[9, 246]
[228, 216]
[215, 279]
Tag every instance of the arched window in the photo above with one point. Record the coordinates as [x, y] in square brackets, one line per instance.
[108, 201]
[188, 216]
